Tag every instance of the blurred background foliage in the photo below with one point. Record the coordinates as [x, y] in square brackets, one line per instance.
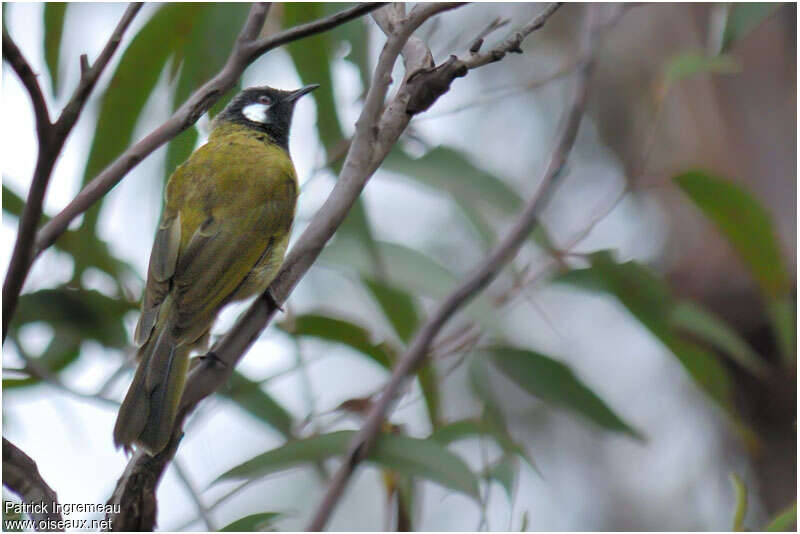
[693, 105]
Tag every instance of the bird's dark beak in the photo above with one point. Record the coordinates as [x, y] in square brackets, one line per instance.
[300, 92]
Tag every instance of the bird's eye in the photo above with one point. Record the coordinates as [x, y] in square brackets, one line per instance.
[264, 99]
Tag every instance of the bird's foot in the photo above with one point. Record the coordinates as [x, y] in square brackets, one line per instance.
[272, 301]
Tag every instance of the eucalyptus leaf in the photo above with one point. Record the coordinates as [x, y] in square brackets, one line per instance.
[692, 318]
[253, 523]
[53, 30]
[342, 331]
[555, 383]
[250, 396]
[743, 18]
[410, 456]
[744, 222]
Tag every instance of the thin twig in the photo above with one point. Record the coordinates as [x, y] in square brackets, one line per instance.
[21, 476]
[202, 511]
[471, 286]
[51, 139]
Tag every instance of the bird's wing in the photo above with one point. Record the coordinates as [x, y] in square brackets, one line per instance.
[163, 259]
[230, 204]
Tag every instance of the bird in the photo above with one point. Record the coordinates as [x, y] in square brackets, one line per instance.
[223, 232]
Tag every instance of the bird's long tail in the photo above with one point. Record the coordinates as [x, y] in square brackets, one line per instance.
[148, 412]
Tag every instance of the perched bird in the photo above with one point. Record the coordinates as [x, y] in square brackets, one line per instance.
[222, 237]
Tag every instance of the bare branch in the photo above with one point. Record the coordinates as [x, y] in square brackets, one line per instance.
[466, 290]
[21, 476]
[13, 55]
[51, 138]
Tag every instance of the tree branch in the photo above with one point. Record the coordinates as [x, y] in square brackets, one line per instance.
[21, 476]
[466, 290]
[244, 53]
[51, 138]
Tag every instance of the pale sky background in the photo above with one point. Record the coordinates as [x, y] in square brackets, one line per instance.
[678, 479]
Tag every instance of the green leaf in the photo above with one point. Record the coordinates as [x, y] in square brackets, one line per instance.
[555, 383]
[253, 523]
[339, 331]
[53, 29]
[12, 203]
[398, 306]
[405, 267]
[133, 81]
[692, 63]
[311, 57]
[744, 222]
[741, 502]
[409, 456]
[782, 311]
[705, 326]
[473, 190]
[87, 313]
[646, 297]
[786, 521]
[743, 18]
[429, 384]
[257, 402]
[200, 58]
[473, 428]
[86, 250]
[62, 350]
[504, 471]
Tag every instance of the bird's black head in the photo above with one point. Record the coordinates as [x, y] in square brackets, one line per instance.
[265, 109]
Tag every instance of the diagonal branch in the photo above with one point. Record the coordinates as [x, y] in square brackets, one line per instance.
[21, 476]
[51, 139]
[485, 272]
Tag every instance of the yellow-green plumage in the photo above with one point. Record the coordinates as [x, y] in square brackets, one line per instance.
[222, 237]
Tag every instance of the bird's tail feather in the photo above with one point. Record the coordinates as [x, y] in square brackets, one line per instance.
[148, 412]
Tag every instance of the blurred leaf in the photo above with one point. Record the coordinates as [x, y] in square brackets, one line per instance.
[473, 428]
[647, 298]
[311, 57]
[200, 57]
[782, 311]
[690, 64]
[53, 29]
[12, 203]
[524, 526]
[473, 190]
[744, 222]
[504, 471]
[130, 87]
[410, 456]
[493, 421]
[743, 18]
[257, 402]
[88, 313]
[398, 306]
[339, 331]
[406, 267]
[786, 521]
[253, 523]
[741, 502]
[86, 251]
[429, 384]
[62, 350]
[356, 36]
[448, 170]
[701, 323]
[554, 382]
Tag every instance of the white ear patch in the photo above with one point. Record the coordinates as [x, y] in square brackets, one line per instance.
[256, 112]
